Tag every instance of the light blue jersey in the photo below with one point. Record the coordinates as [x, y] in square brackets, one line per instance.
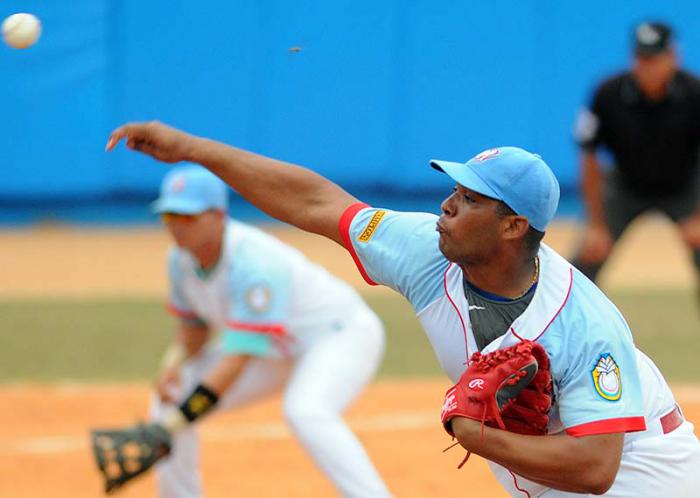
[597, 371]
[264, 296]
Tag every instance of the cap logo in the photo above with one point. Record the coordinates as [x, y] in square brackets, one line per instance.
[178, 184]
[486, 155]
[648, 35]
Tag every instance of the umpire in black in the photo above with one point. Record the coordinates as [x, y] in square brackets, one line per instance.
[648, 121]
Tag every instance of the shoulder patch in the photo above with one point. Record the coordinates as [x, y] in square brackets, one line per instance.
[606, 378]
[258, 298]
[586, 126]
[368, 232]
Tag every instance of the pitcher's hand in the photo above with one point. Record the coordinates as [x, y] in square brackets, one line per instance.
[159, 141]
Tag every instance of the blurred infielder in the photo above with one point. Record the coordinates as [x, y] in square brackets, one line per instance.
[283, 322]
[480, 280]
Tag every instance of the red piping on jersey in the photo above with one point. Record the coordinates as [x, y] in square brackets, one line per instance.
[344, 227]
[274, 329]
[464, 327]
[515, 482]
[610, 426]
[568, 293]
[181, 313]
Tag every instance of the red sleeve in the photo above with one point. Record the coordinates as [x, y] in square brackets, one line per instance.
[344, 227]
[610, 426]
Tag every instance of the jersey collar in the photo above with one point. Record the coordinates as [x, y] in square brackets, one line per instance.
[551, 295]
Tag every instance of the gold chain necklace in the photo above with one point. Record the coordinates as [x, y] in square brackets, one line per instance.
[534, 278]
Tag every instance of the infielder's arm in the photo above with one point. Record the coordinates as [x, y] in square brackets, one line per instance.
[190, 338]
[226, 373]
[206, 394]
[290, 193]
[586, 464]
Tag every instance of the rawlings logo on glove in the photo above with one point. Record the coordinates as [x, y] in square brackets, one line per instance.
[509, 388]
[476, 384]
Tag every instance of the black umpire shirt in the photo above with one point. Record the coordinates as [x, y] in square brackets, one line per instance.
[655, 144]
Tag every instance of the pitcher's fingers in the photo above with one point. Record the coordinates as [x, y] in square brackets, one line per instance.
[141, 146]
[114, 138]
[111, 143]
[124, 131]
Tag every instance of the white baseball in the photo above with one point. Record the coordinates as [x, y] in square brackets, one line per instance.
[21, 30]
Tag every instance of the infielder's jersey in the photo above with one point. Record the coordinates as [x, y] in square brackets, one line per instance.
[598, 374]
[264, 296]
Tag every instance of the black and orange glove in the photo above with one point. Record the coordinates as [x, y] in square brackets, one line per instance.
[124, 454]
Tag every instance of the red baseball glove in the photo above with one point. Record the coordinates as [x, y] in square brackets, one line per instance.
[508, 388]
[529, 413]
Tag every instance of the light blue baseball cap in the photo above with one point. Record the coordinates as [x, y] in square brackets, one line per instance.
[513, 175]
[191, 189]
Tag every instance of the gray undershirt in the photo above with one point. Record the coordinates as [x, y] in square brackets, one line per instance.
[491, 317]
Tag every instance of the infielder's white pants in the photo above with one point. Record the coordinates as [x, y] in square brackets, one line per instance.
[320, 383]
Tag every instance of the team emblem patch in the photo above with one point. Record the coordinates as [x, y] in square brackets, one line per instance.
[486, 155]
[371, 227]
[606, 378]
[258, 298]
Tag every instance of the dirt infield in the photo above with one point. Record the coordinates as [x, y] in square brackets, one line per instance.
[247, 453]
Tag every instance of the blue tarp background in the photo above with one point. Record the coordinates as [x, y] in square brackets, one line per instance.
[377, 89]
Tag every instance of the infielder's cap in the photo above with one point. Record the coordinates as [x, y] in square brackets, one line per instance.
[515, 176]
[191, 189]
[652, 38]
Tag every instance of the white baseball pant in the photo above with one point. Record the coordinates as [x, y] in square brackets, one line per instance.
[318, 385]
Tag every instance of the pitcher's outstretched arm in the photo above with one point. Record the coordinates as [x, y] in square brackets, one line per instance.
[290, 193]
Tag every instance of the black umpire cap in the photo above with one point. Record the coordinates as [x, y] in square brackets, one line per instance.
[652, 38]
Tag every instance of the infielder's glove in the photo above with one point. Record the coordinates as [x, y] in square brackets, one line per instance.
[507, 388]
[124, 454]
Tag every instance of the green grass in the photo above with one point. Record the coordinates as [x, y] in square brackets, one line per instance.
[666, 326]
[122, 339]
[83, 340]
